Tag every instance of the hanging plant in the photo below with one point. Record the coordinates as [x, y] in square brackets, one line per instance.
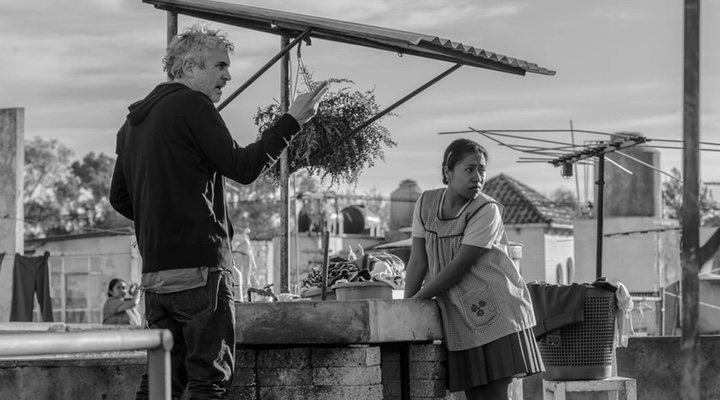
[317, 149]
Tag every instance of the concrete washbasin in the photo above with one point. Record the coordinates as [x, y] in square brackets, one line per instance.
[337, 322]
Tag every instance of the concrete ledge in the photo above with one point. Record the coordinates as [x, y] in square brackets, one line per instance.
[59, 327]
[337, 322]
[117, 358]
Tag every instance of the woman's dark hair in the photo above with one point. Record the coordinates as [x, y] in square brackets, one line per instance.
[112, 284]
[455, 152]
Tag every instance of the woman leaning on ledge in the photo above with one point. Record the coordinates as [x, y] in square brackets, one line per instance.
[119, 309]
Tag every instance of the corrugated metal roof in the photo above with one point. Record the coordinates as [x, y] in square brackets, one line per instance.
[524, 205]
[291, 24]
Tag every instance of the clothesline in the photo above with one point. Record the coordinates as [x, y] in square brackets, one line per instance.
[672, 228]
[700, 302]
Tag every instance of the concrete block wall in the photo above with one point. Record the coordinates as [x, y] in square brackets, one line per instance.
[322, 373]
[427, 372]
[97, 376]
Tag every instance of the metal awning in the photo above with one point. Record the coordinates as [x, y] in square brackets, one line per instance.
[402, 42]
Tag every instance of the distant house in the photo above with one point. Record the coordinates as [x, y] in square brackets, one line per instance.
[544, 229]
[81, 266]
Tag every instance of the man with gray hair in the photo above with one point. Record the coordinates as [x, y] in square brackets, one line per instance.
[173, 152]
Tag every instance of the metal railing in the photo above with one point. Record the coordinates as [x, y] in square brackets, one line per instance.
[157, 342]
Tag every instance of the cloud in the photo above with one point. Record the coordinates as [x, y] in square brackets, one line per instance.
[75, 65]
[623, 15]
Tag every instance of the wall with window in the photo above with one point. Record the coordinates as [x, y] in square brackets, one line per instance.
[81, 268]
[559, 247]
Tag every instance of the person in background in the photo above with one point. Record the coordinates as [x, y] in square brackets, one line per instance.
[173, 154]
[459, 247]
[245, 262]
[119, 309]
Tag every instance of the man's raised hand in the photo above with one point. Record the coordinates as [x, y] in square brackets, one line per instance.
[305, 105]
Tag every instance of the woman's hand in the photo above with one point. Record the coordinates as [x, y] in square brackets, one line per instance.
[133, 291]
[452, 273]
[416, 268]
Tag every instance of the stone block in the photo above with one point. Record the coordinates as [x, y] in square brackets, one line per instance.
[428, 352]
[244, 377]
[427, 370]
[293, 357]
[303, 392]
[359, 392]
[448, 397]
[243, 393]
[347, 376]
[283, 376]
[418, 390]
[345, 356]
[245, 358]
[363, 392]
[428, 388]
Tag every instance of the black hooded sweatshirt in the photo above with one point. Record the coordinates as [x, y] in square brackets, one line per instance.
[172, 153]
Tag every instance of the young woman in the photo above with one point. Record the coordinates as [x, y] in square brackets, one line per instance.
[119, 310]
[459, 248]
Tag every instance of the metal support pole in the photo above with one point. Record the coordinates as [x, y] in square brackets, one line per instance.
[690, 345]
[284, 173]
[158, 365]
[158, 343]
[172, 25]
[600, 213]
[326, 264]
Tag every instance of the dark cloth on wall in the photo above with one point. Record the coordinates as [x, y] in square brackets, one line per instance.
[31, 276]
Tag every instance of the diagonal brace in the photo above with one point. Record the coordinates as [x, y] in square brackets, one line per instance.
[323, 151]
[265, 67]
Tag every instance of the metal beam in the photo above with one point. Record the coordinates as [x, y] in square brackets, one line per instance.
[172, 25]
[689, 344]
[600, 214]
[283, 53]
[284, 173]
[618, 143]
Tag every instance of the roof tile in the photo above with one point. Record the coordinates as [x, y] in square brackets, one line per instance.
[524, 205]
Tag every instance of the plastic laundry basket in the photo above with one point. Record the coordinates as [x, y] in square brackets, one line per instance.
[583, 350]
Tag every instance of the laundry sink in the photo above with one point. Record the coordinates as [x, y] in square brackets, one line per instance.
[337, 322]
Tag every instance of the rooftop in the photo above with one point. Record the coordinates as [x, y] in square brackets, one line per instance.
[524, 205]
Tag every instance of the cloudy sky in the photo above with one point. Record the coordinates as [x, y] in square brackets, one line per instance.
[75, 65]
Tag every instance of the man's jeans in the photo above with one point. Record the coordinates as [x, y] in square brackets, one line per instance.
[202, 321]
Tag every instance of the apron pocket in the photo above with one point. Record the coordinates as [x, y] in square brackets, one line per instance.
[478, 306]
